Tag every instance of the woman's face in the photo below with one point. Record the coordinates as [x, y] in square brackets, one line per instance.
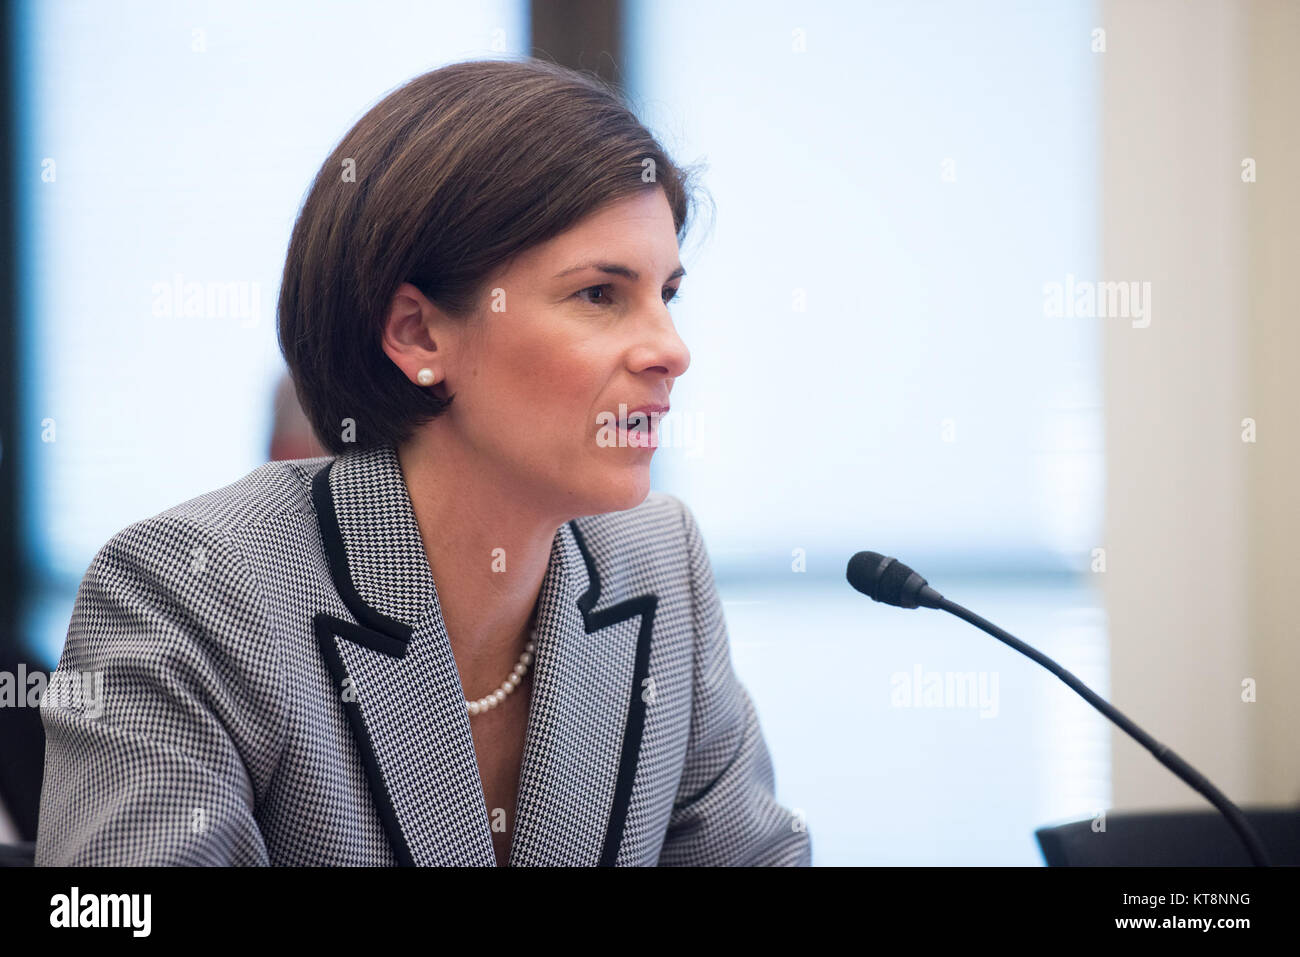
[574, 337]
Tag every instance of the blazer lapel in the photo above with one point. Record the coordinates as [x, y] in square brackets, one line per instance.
[401, 691]
[586, 716]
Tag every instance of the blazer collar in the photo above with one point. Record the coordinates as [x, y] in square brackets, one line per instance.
[401, 690]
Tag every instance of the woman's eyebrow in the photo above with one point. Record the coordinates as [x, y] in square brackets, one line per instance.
[616, 269]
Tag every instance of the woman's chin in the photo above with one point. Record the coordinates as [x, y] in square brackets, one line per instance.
[626, 488]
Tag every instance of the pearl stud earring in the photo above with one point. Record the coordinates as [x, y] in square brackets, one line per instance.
[425, 376]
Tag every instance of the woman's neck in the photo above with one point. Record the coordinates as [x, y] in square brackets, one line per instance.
[488, 551]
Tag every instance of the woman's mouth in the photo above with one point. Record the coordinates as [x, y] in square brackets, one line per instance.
[636, 429]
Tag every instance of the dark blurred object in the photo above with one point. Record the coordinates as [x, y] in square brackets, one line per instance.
[1171, 839]
[22, 751]
[18, 855]
[291, 434]
[580, 34]
[22, 738]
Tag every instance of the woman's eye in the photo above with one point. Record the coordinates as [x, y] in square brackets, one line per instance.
[600, 295]
[603, 289]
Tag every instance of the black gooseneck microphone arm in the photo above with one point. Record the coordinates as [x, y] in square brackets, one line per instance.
[890, 581]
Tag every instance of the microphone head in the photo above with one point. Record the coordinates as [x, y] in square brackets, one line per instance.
[888, 580]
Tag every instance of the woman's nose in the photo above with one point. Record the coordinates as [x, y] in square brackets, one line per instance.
[664, 349]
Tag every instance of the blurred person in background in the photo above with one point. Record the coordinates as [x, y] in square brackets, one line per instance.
[291, 434]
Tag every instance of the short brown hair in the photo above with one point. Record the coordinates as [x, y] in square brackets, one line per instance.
[455, 173]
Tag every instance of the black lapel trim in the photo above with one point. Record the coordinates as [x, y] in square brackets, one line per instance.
[325, 625]
[332, 537]
[376, 631]
[643, 605]
[375, 640]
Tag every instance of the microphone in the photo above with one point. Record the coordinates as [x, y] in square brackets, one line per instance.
[889, 581]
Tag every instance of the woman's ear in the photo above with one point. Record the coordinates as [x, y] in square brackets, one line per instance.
[416, 336]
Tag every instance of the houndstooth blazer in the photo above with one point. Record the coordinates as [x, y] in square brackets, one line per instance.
[279, 688]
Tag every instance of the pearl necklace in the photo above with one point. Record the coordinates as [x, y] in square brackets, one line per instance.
[490, 701]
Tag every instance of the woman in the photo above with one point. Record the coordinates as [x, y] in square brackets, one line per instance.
[473, 635]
